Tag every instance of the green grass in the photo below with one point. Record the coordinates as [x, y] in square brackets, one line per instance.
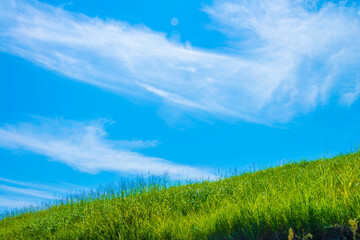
[321, 198]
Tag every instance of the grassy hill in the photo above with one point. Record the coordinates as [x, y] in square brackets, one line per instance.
[316, 199]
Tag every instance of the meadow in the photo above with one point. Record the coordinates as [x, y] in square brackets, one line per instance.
[317, 199]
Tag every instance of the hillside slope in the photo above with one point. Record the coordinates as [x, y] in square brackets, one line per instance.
[319, 197]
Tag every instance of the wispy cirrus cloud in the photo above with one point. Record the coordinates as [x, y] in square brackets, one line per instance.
[84, 146]
[20, 194]
[287, 56]
[7, 203]
[58, 188]
[27, 191]
[315, 44]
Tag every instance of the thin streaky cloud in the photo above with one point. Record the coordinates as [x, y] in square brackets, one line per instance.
[316, 42]
[39, 186]
[20, 194]
[7, 203]
[84, 146]
[288, 57]
[27, 191]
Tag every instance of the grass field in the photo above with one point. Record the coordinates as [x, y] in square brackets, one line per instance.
[308, 199]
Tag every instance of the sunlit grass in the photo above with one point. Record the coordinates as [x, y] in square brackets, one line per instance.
[310, 199]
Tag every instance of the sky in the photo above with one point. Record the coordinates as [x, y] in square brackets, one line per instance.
[91, 92]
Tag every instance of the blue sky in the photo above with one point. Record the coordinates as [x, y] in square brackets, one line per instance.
[91, 92]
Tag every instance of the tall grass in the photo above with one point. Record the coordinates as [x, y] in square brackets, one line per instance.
[316, 199]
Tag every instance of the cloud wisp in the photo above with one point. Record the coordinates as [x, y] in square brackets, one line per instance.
[84, 146]
[19, 194]
[287, 56]
[27, 191]
[7, 203]
[41, 187]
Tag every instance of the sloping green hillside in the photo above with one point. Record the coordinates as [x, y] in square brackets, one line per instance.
[321, 198]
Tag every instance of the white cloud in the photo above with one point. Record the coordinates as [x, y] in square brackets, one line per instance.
[288, 56]
[8, 203]
[316, 46]
[84, 146]
[351, 96]
[27, 191]
[54, 189]
[19, 194]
